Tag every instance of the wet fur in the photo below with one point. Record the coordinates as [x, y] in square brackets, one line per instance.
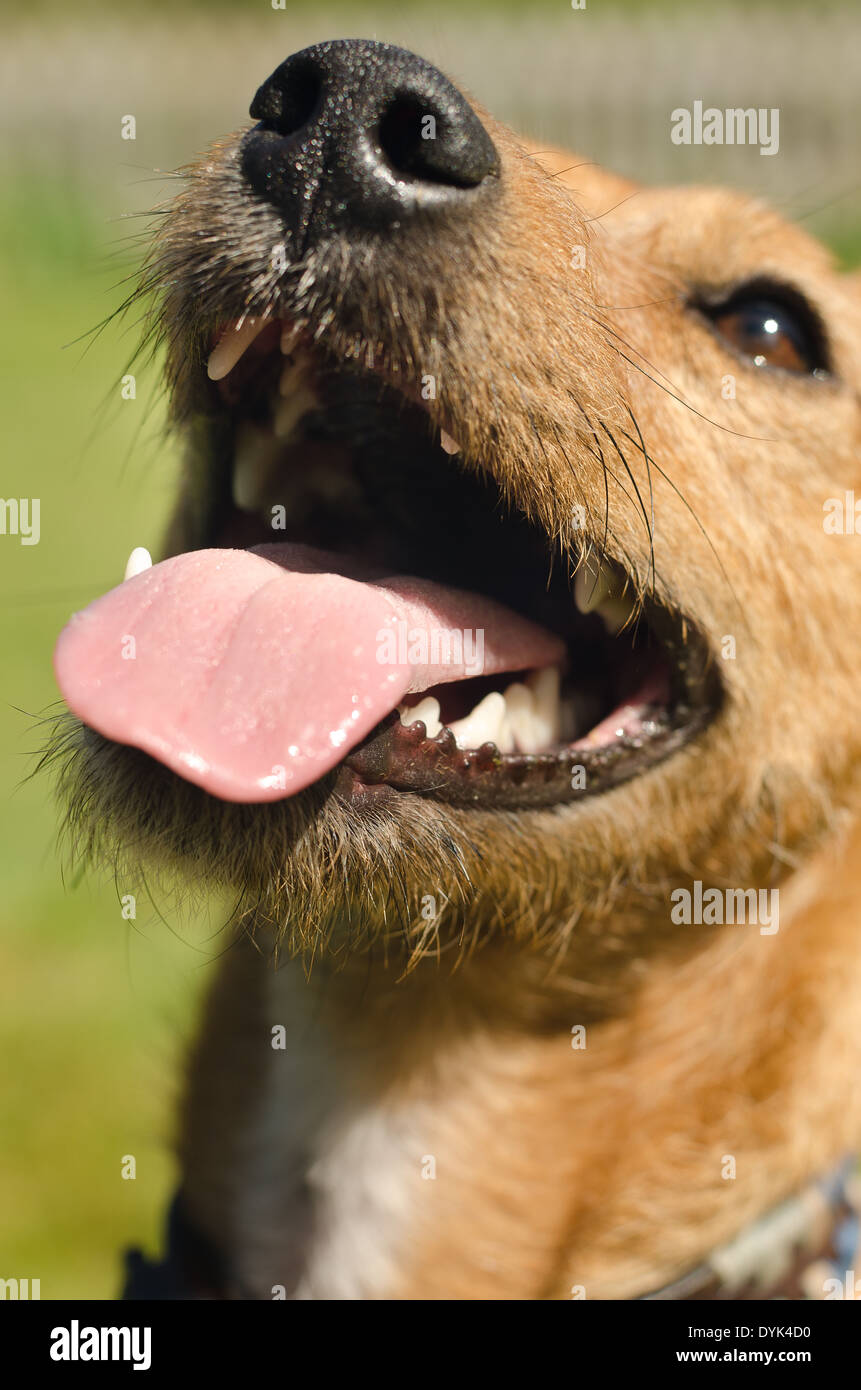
[555, 1167]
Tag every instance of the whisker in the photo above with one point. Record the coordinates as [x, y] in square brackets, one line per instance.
[758, 438]
[630, 346]
[648, 464]
[600, 455]
[606, 213]
[647, 304]
[645, 514]
[686, 504]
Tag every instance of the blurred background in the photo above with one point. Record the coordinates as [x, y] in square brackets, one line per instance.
[96, 1010]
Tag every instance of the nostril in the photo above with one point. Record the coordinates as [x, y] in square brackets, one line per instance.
[293, 103]
[437, 142]
[405, 132]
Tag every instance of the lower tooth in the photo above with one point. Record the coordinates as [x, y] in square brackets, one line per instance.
[545, 693]
[526, 719]
[427, 711]
[483, 724]
[505, 736]
[520, 711]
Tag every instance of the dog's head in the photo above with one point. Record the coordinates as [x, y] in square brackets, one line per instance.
[460, 417]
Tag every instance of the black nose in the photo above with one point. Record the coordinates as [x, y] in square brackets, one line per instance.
[355, 134]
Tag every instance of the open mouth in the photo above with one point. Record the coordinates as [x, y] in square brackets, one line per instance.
[369, 609]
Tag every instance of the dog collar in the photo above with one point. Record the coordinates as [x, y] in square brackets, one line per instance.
[808, 1247]
[192, 1267]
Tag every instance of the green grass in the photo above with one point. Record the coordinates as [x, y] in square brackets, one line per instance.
[94, 1007]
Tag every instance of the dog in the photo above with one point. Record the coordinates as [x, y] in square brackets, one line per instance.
[502, 667]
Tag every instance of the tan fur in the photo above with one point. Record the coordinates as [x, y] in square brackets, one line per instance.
[554, 1167]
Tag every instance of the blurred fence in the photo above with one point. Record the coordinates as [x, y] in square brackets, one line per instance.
[602, 80]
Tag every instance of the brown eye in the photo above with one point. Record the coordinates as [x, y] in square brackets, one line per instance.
[776, 329]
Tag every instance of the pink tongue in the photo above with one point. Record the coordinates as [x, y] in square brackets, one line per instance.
[254, 676]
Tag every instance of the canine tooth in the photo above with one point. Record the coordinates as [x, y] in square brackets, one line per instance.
[545, 693]
[231, 345]
[450, 445]
[139, 560]
[603, 591]
[592, 586]
[255, 457]
[520, 714]
[428, 711]
[483, 724]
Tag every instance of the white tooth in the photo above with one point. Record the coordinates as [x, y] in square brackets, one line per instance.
[520, 712]
[450, 445]
[289, 411]
[231, 345]
[592, 586]
[505, 735]
[545, 692]
[483, 724]
[255, 460]
[428, 711]
[604, 591]
[139, 560]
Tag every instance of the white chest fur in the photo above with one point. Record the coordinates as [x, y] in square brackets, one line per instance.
[331, 1168]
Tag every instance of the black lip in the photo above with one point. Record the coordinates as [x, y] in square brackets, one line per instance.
[404, 758]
